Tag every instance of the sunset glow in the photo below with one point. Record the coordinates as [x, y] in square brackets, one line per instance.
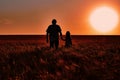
[80, 17]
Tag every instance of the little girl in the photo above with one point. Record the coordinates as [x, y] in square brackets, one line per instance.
[68, 40]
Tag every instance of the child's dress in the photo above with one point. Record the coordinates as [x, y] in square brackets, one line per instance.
[68, 40]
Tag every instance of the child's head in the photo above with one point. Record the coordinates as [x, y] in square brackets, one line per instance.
[68, 33]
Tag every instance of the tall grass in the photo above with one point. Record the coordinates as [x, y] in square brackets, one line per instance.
[33, 60]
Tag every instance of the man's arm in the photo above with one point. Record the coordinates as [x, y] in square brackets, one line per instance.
[60, 31]
[47, 35]
[61, 34]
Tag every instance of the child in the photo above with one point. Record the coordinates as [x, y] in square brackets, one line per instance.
[68, 40]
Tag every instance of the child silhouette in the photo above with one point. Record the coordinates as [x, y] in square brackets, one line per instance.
[68, 40]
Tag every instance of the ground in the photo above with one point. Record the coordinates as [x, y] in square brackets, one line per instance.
[88, 59]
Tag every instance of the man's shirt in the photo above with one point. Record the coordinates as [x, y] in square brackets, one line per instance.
[53, 31]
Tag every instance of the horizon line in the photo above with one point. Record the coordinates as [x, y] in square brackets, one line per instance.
[63, 35]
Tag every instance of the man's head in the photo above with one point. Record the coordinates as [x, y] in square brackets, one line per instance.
[54, 21]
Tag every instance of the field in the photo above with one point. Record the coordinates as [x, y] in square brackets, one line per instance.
[29, 58]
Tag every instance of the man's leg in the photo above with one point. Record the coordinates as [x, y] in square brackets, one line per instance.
[56, 44]
[51, 44]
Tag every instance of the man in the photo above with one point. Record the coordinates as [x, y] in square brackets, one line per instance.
[53, 32]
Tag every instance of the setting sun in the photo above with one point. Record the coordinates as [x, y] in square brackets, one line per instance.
[104, 19]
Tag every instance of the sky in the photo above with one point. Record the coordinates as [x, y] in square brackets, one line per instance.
[34, 16]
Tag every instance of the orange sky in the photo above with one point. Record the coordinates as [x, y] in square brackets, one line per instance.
[34, 16]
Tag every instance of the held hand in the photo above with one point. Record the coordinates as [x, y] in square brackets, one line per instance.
[62, 39]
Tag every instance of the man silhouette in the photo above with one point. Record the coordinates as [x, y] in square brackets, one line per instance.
[53, 32]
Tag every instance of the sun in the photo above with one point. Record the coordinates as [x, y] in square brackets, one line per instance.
[104, 19]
